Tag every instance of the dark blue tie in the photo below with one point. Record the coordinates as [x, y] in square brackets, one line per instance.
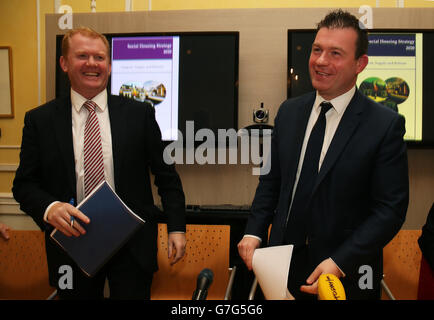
[299, 215]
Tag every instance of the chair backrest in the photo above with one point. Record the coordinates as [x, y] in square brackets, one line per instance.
[401, 265]
[207, 247]
[23, 266]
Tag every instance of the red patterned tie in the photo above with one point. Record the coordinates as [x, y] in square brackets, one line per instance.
[93, 159]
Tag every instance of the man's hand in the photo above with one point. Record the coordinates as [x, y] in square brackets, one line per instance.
[327, 266]
[176, 246]
[59, 216]
[246, 248]
[4, 231]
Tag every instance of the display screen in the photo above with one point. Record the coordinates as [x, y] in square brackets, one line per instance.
[147, 69]
[397, 75]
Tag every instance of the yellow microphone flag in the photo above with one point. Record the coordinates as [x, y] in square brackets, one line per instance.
[330, 288]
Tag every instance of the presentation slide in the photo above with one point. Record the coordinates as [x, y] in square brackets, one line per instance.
[393, 77]
[147, 69]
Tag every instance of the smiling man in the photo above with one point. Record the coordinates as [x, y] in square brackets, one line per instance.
[338, 185]
[334, 61]
[71, 143]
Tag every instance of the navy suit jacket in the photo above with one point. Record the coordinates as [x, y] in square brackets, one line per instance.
[47, 171]
[360, 197]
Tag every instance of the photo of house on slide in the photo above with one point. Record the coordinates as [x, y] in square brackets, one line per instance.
[150, 91]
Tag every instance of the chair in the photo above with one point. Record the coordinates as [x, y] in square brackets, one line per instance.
[401, 265]
[207, 247]
[23, 266]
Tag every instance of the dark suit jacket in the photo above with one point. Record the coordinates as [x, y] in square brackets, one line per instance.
[360, 197]
[47, 171]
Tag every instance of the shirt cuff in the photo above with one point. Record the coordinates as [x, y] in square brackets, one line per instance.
[46, 211]
[252, 236]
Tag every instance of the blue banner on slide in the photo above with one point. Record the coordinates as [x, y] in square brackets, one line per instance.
[397, 45]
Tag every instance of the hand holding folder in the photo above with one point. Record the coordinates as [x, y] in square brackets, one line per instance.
[67, 219]
[112, 224]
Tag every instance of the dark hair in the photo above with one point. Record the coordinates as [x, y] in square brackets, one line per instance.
[340, 19]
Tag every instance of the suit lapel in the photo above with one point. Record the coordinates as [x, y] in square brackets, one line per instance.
[116, 115]
[301, 124]
[62, 121]
[302, 120]
[348, 124]
[293, 147]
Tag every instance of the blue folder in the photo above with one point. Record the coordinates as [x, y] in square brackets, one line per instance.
[112, 223]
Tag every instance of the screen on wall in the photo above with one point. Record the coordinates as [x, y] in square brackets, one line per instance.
[184, 76]
[397, 75]
[147, 69]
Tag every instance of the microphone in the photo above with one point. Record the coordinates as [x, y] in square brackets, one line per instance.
[204, 280]
[330, 288]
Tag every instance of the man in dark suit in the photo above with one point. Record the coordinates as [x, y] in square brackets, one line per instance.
[358, 193]
[52, 172]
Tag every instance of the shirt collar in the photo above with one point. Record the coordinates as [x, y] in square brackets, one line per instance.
[77, 100]
[339, 103]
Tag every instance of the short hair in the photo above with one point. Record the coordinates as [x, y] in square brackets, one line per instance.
[84, 31]
[340, 19]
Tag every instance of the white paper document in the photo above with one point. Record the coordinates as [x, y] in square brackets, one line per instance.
[271, 267]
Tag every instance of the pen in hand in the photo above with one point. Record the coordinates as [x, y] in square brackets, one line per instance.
[75, 219]
[71, 202]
